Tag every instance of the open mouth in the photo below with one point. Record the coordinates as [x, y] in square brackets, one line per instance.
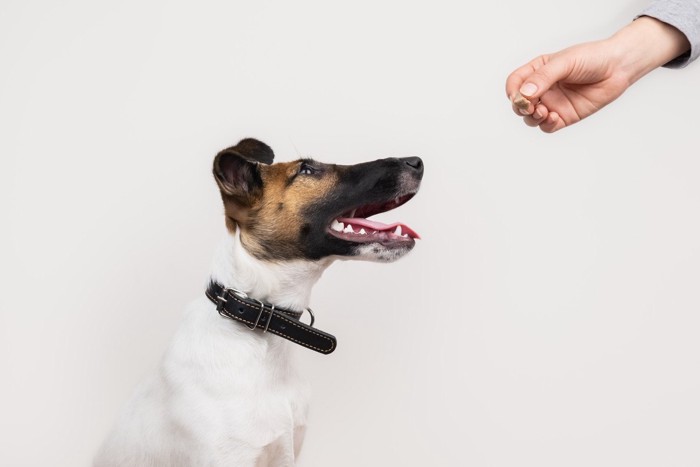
[354, 226]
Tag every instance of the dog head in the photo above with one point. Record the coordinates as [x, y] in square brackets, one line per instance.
[310, 210]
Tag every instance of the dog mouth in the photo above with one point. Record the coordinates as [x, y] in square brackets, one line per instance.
[354, 226]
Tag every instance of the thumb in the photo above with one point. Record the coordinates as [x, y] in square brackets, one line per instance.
[539, 82]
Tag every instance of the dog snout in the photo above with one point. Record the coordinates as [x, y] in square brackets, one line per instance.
[415, 164]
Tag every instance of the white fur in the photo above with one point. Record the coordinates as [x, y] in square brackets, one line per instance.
[223, 395]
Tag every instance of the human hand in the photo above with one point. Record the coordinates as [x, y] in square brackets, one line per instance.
[570, 85]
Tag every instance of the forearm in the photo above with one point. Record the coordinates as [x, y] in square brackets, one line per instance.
[646, 44]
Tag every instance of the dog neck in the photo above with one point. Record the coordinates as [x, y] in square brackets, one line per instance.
[285, 284]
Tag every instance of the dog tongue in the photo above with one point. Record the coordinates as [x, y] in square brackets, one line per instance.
[379, 226]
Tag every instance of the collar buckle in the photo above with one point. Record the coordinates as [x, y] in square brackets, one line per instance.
[221, 299]
[239, 306]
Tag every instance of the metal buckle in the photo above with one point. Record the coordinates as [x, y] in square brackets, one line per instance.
[257, 321]
[220, 300]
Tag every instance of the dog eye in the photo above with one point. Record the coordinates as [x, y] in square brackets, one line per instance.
[306, 169]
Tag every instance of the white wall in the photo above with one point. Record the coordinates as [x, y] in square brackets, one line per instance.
[548, 318]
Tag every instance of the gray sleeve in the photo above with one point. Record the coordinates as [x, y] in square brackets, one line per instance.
[684, 15]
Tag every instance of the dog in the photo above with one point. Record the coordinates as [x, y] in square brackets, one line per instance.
[226, 392]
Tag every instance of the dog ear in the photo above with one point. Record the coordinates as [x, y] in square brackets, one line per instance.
[237, 172]
[253, 150]
[238, 177]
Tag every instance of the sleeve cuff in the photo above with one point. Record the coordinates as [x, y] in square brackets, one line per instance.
[682, 15]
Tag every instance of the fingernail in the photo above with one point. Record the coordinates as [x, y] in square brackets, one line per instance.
[524, 112]
[537, 114]
[528, 89]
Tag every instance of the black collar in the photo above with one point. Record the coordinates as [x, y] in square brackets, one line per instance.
[236, 305]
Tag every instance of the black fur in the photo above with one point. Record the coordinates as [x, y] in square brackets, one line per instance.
[368, 183]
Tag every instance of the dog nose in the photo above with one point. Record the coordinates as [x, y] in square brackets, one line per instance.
[415, 163]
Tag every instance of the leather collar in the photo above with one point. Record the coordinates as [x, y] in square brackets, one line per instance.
[236, 305]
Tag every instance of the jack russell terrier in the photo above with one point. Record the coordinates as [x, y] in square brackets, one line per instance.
[226, 392]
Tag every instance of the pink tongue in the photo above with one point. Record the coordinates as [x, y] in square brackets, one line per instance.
[374, 225]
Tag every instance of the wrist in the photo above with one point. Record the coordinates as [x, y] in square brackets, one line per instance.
[646, 44]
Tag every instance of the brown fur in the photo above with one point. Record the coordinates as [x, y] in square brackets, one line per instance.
[271, 225]
[284, 211]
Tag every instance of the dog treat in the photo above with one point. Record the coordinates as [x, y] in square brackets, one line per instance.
[520, 101]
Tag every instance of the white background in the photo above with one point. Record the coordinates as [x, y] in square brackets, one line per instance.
[550, 316]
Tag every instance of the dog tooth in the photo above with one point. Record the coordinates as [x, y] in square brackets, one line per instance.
[398, 230]
[337, 226]
[348, 229]
[352, 214]
[405, 235]
[362, 232]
